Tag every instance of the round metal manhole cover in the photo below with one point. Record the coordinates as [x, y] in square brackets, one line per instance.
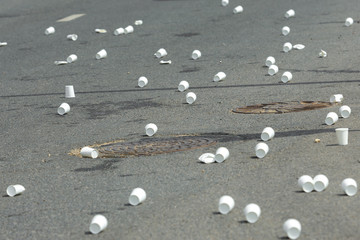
[153, 146]
[282, 107]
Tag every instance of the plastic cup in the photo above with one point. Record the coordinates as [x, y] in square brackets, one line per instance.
[226, 204]
[183, 86]
[63, 109]
[292, 227]
[348, 22]
[14, 190]
[238, 9]
[150, 129]
[320, 182]
[190, 98]
[342, 135]
[290, 13]
[142, 81]
[285, 30]
[261, 149]
[101, 54]
[89, 152]
[270, 61]
[196, 54]
[69, 91]
[349, 186]
[137, 196]
[161, 53]
[222, 154]
[267, 134]
[72, 37]
[219, 76]
[286, 77]
[273, 69]
[252, 212]
[71, 58]
[50, 30]
[331, 118]
[345, 111]
[306, 183]
[98, 224]
[129, 29]
[224, 3]
[287, 47]
[119, 31]
[336, 98]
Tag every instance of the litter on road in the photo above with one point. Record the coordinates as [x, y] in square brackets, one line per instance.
[286, 77]
[287, 47]
[292, 228]
[267, 134]
[89, 152]
[219, 76]
[222, 154]
[69, 91]
[349, 22]
[161, 53]
[322, 54]
[207, 158]
[72, 37]
[50, 30]
[331, 118]
[99, 30]
[183, 86]
[72, 58]
[269, 61]
[290, 13]
[138, 22]
[98, 224]
[196, 54]
[252, 212]
[226, 204]
[306, 183]
[129, 29]
[238, 9]
[342, 135]
[60, 62]
[321, 182]
[285, 30]
[150, 129]
[165, 62]
[261, 149]
[63, 109]
[299, 46]
[190, 98]
[349, 186]
[14, 190]
[345, 111]
[273, 69]
[101, 54]
[137, 196]
[142, 81]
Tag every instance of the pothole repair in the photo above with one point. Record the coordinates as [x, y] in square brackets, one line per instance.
[282, 107]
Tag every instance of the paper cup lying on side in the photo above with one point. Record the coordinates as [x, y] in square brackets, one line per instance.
[290, 13]
[270, 61]
[196, 54]
[119, 31]
[161, 53]
[137, 196]
[63, 109]
[226, 204]
[261, 149]
[219, 76]
[72, 58]
[287, 47]
[72, 37]
[267, 134]
[292, 227]
[331, 118]
[252, 212]
[222, 154]
[101, 54]
[98, 224]
[224, 3]
[285, 30]
[321, 182]
[238, 9]
[349, 22]
[349, 186]
[190, 98]
[345, 111]
[129, 29]
[14, 190]
[142, 81]
[89, 152]
[306, 183]
[273, 69]
[286, 77]
[50, 30]
[336, 98]
[183, 85]
[150, 129]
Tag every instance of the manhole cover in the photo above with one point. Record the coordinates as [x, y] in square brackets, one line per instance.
[153, 146]
[282, 107]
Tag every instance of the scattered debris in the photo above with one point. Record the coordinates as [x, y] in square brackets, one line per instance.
[270, 61]
[196, 54]
[306, 183]
[342, 135]
[142, 81]
[331, 118]
[267, 134]
[286, 77]
[219, 76]
[119, 31]
[183, 85]
[273, 69]
[3, 44]
[345, 111]
[299, 46]
[150, 129]
[285, 30]
[129, 29]
[72, 37]
[261, 149]
[69, 91]
[89, 152]
[290, 13]
[98, 30]
[207, 158]
[317, 140]
[138, 22]
[98, 224]
[252, 213]
[321, 182]
[322, 54]
[60, 62]
[224, 3]
[50, 30]
[63, 109]
[222, 154]
[161, 53]
[336, 98]
[137, 196]
[287, 47]
[226, 204]
[349, 186]
[14, 190]
[238, 9]
[190, 98]
[349, 22]
[72, 58]
[292, 227]
[101, 54]
[165, 62]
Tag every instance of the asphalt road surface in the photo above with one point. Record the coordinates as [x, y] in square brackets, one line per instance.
[63, 192]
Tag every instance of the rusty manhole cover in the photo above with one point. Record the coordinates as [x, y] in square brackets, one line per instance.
[282, 107]
[153, 146]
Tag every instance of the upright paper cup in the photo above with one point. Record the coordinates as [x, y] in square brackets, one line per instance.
[285, 30]
[137, 196]
[238, 9]
[292, 227]
[349, 22]
[183, 85]
[101, 54]
[222, 154]
[252, 212]
[224, 3]
[270, 61]
[345, 111]
[267, 134]
[119, 31]
[50, 30]
[336, 98]
[306, 183]
[219, 76]
[63, 109]
[69, 91]
[349, 186]
[342, 135]
[150, 129]
[161, 53]
[320, 182]
[290, 13]
[98, 224]
[287, 47]
[89, 152]
[14, 190]
[129, 29]
[261, 149]
[71, 58]
[72, 37]
[190, 98]
[142, 81]
[286, 77]
[226, 204]
[196, 54]
[273, 69]
[331, 118]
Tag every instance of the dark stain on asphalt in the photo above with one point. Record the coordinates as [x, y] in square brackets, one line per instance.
[25, 78]
[188, 34]
[331, 22]
[105, 166]
[83, 42]
[25, 49]
[187, 69]
[9, 15]
[16, 215]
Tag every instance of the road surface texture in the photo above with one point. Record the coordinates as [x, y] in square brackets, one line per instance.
[63, 192]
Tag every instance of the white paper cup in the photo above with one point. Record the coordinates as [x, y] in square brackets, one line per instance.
[273, 69]
[226, 204]
[267, 134]
[222, 154]
[98, 224]
[261, 149]
[320, 182]
[137, 196]
[224, 3]
[345, 111]
[219, 76]
[342, 135]
[285, 30]
[14, 190]
[183, 86]
[270, 61]
[72, 37]
[119, 31]
[306, 183]
[196, 54]
[89, 152]
[142, 81]
[336, 98]
[50, 30]
[138, 22]
[69, 91]
[238, 9]
[349, 186]
[322, 53]
[63, 109]
[292, 227]
[331, 118]
[190, 98]
[71, 58]
[150, 129]
[160, 53]
[129, 29]
[348, 22]
[286, 77]
[101, 54]
[287, 47]
[290, 13]
[252, 212]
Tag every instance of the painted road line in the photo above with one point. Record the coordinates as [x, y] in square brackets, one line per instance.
[71, 17]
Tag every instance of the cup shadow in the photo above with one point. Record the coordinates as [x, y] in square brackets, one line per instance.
[243, 222]
[216, 213]
[5, 195]
[341, 194]
[87, 233]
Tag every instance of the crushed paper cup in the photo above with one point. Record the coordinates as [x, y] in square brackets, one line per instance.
[72, 37]
[14, 190]
[285, 30]
[60, 62]
[138, 22]
[3, 44]
[349, 22]
[89, 152]
[290, 13]
[98, 30]
[299, 46]
[129, 29]
[165, 62]
[322, 53]
[224, 3]
[98, 224]
[207, 158]
[161, 53]
[119, 31]
[50, 30]
[238, 9]
[336, 98]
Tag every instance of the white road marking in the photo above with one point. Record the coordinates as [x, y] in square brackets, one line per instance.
[71, 17]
